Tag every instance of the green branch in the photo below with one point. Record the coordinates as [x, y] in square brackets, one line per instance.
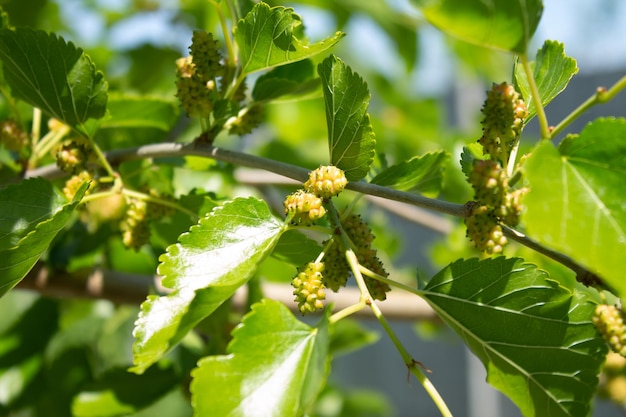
[601, 96]
[541, 114]
[300, 175]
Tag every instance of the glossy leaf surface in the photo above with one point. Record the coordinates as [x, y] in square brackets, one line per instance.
[576, 202]
[276, 366]
[33, 212]
[351, 139]
[203, 270]
[423, 174]
[47, 72]
[552, 70]
[272, 36]
[535, 339]
[502, 24]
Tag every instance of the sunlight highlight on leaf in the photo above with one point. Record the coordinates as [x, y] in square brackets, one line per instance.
[276, 366]
[272, 36]
[204, 269]
[501, 24]
[576, 199]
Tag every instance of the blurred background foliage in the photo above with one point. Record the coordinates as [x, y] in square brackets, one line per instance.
[69, 357]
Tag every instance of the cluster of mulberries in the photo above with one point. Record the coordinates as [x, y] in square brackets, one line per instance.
[309, 287]
[73, 156]
[196, 88]
[337, 268]
[136, 224]
[204, 81]
[12, 136]
[609, 320]
[483, 228]
[247, 119]
[504, 113]
[305, 207]
[76, 181]
[326, 181]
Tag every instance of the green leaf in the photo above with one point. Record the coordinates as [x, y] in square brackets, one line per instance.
[276, 366]
[349, 335]
[34, 322]
[576, 199]
[470, 153]
[134, 111]
[54, 75]
[33, 212]
[204, 269]
[501, 24]
[423, 174]
[552, 70]
[133, 119]
[535, 338]
[269, 37]
[351, 139]
[295, 248]
[288, 80]
[119, 392]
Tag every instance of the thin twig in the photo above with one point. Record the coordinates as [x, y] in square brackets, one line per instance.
[301, 174]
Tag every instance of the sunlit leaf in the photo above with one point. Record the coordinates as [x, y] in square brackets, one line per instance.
[33, 212]
[535, 338]
[576, 199]
[423, 174]
[276, 366]
[203, 270]
[54, 75]
[268, 37]
[552, 70]
[502, 24]
[351, 139]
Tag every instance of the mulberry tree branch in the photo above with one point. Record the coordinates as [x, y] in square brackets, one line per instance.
[300, 174]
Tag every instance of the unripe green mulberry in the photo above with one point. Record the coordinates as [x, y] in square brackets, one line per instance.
[509, 212]
[247, 119]
[309, 288]
[136, 225]
[483, 229]
[195, 95]
[610, 324]
[359, 232]
[337, 269]
[326, 181]
[206, 56]
[489, 182]
[73, 156]
[156, 210]
[504, 113]
[305, 208]
[377, 289]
